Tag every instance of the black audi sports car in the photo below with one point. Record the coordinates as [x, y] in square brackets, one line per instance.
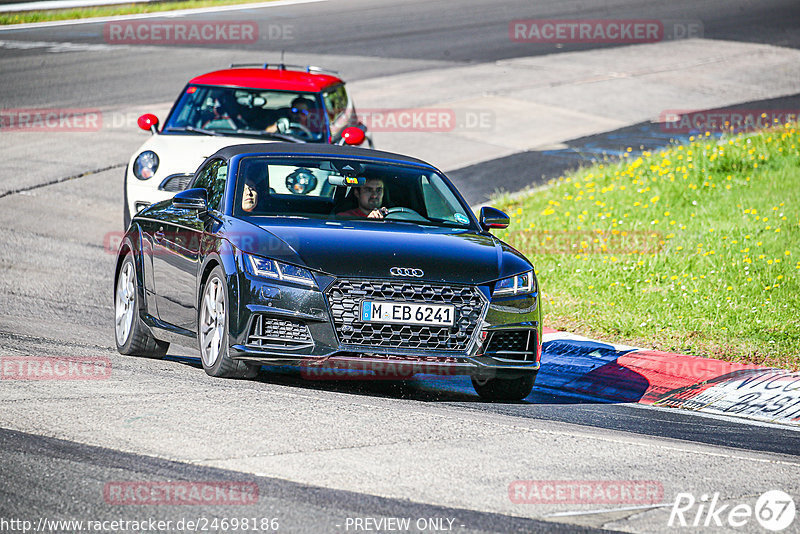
[284, 254]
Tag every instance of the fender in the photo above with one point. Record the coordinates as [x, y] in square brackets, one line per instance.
[221, 252]
[132, 241]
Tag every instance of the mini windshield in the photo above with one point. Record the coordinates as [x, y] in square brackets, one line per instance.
[331, 188]
[213, 110]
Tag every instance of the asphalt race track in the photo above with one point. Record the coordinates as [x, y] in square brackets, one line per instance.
[347, 456]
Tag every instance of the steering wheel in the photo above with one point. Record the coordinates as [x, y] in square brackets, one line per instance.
[286, 127]
[402, 213]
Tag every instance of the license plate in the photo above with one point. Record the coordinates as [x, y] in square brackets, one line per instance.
[407, 313]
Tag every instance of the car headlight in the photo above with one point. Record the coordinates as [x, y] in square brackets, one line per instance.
[145, 165]
[279, 271]
[516, 285]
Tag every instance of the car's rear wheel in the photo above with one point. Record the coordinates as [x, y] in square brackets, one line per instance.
[504, 389]
[131, 335]
[212, 331]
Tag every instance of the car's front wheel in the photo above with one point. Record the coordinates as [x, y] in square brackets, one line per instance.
[504, 389]
[212, 331]
[131, 336]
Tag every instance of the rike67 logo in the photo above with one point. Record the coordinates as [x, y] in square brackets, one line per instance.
[774, 510]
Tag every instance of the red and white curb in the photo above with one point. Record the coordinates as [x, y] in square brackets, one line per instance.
[619, 373]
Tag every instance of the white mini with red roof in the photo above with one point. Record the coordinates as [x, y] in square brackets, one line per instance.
[242, 104]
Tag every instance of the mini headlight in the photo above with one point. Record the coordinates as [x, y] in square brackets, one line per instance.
[516, 285]
[279, 271]
[146, 165]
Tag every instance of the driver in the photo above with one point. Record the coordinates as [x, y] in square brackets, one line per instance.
[369, 198]
[299, 114]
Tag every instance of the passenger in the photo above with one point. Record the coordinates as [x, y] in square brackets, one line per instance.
[254, 191]
[369, 199]
[224, 114]
[249, 195]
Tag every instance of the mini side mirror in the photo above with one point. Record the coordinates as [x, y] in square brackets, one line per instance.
[148, 122]
[353, 135]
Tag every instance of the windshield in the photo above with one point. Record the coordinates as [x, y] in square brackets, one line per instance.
[236, 111]
[337, 189]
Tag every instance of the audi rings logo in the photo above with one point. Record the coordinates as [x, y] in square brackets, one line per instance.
[404, 271]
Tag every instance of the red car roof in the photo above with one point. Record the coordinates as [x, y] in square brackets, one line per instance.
[286, 80]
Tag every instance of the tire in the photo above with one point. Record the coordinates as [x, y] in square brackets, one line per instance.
[131, 336]
[504, 389]
[212, 330]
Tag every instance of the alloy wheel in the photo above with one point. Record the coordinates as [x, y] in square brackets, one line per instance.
[212, 321]
[126, 293]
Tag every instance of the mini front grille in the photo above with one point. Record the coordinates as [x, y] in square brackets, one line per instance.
[512, 345]
[270, 332]
[345, 297]
[175, 182]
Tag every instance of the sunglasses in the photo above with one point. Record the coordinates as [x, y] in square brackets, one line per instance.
[300, 110]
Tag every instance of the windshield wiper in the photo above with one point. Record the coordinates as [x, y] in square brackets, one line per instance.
[193, 130]
[271, 135]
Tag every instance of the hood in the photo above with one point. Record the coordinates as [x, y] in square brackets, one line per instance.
[178, 153]
[370, 249]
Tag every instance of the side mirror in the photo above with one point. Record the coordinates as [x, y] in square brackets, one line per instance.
[493, 218]
[191, 199]
[148, 122]
[353, 135]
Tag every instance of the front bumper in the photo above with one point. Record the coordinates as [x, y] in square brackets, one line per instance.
[285, 324]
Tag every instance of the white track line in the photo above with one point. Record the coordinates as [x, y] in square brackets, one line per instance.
[608, 510]
[163, 14]
[63, 4]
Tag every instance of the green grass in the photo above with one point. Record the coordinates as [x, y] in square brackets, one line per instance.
[694, 249]
[110, 11]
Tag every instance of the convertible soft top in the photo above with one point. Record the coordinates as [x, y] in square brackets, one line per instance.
[313, 149]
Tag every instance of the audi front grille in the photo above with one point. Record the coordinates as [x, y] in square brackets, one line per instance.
[345, 297]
